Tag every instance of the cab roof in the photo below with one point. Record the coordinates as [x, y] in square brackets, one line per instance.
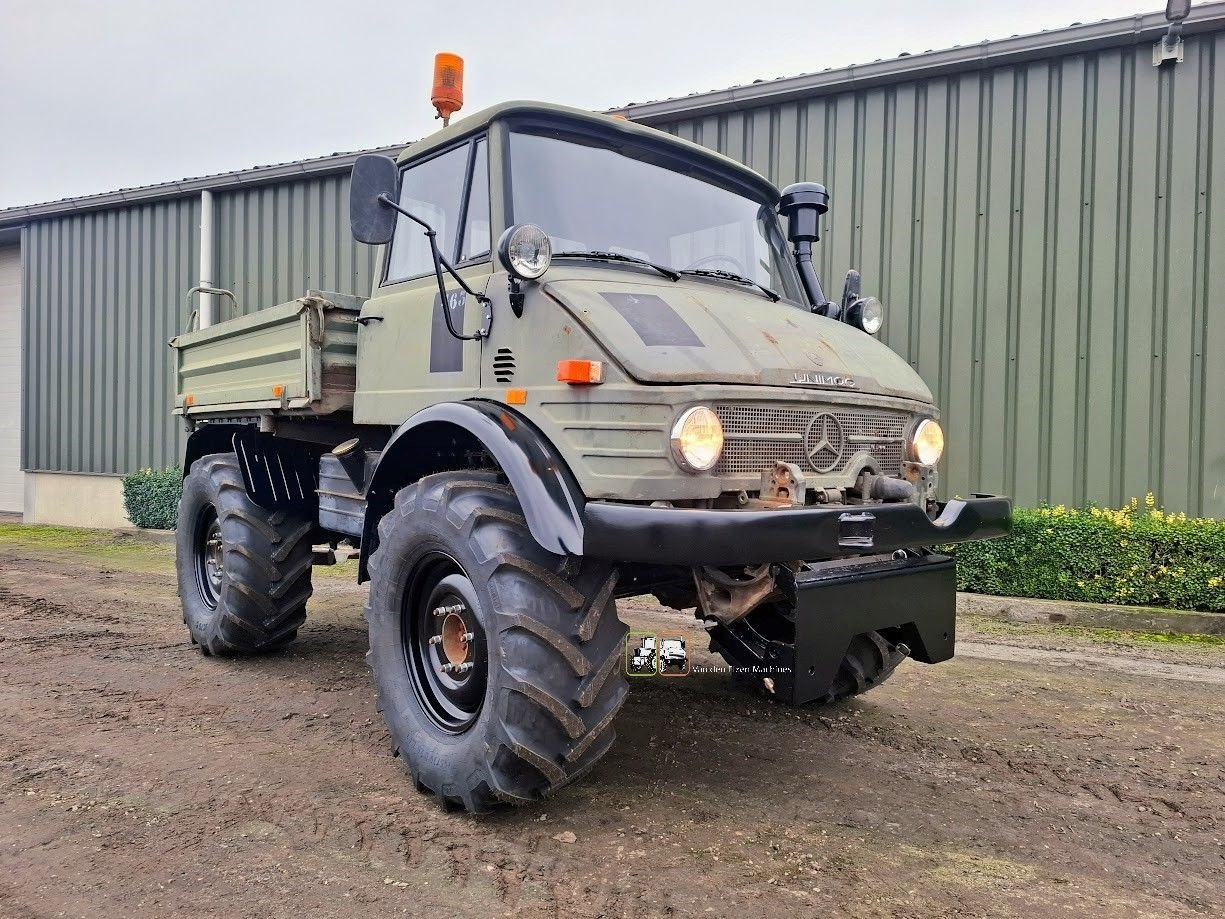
[606, 124]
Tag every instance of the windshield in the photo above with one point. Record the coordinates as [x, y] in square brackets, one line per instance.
[589, 197]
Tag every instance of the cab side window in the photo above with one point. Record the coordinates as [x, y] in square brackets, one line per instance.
[433, 191]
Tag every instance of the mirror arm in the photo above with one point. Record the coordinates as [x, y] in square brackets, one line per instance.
[439, 264]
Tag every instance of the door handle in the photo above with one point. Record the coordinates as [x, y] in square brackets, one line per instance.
[366, 320]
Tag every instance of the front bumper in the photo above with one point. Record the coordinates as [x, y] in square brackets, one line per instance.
[692, 536]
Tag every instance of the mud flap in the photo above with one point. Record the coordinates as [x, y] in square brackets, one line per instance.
[279, 474]
[912, 601]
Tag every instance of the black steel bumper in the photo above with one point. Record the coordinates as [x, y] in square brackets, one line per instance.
[687, 536]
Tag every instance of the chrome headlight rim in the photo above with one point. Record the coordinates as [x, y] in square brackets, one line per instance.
[513, 262]
[679, 454]
[913, 441]
[867, 314]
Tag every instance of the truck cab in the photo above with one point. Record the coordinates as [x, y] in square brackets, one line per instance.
[665, 341]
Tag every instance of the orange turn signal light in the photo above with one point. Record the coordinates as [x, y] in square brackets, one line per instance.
[580, 373]
[516, 397]
[189, 399]
[447, 93]
[278, 391]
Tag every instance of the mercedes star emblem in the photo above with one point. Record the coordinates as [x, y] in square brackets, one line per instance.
[824, 442]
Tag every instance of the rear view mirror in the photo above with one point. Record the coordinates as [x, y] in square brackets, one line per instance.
[371, 220]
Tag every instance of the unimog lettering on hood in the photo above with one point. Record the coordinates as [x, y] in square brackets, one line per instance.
[822, 379]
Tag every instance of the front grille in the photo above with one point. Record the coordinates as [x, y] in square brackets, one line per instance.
[756, 436]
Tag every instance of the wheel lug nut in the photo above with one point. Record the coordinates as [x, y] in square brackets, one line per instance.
[468, 636]
[455, 608]
[435, 639]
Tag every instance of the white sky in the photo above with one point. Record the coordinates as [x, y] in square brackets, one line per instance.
[103, 94]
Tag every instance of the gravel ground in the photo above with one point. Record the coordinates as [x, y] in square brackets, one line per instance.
[1044, 771]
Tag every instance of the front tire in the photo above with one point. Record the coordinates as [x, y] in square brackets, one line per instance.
[244, 572]
[498, 665]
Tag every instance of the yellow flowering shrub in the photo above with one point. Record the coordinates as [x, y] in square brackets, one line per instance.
[1137, 554]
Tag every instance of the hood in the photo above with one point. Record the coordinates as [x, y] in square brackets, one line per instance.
[695, 331]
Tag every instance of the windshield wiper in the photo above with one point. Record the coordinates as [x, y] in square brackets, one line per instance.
[732, 276]
[620, 257]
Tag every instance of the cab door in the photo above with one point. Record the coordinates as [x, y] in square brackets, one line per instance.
[407, 358]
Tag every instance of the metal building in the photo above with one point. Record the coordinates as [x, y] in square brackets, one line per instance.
[102, 290]
[1040, 214]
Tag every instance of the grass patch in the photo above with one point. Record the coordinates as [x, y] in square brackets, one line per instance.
[990, 626]
[345, 571]
[121, 550]
[32, 534]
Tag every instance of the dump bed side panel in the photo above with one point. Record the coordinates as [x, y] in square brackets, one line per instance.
[298, 357]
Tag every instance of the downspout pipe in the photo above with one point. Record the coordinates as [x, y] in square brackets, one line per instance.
[208, 302]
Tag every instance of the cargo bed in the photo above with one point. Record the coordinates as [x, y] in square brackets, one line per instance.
[295, 358]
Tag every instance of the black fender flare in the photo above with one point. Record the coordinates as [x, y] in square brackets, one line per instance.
[214, 437]
[434, 439]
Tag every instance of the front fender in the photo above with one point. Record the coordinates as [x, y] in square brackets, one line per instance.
[437, 439]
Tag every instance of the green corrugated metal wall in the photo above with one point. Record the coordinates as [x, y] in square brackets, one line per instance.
[275, 242]
[104, 293]
[1048, 238]
[1041, 233]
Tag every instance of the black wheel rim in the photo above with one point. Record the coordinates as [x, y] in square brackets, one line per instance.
[210, 558]
[444, 643]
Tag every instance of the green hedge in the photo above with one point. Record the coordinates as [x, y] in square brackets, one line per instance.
[151, 497]
[1137, 555]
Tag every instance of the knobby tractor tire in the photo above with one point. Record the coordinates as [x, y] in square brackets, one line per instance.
[547, 647]
[244, 572]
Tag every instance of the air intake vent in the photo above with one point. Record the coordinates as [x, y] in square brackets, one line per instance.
[504, 365]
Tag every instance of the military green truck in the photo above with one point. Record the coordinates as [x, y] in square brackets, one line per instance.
[594, 364]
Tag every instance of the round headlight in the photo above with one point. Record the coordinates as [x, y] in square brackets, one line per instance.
[927, 442]
[525, 251]
[867, 314]
[697, 439]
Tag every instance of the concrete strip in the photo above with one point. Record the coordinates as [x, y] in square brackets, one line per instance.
[1118, 663]
[1091, 615]
[75, 500]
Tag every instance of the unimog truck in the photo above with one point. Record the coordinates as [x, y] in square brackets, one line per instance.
[596, 362]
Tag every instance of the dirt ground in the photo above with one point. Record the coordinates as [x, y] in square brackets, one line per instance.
[1043, 772]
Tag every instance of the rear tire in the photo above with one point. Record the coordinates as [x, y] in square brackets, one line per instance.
[244, 572]
[535, 710]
